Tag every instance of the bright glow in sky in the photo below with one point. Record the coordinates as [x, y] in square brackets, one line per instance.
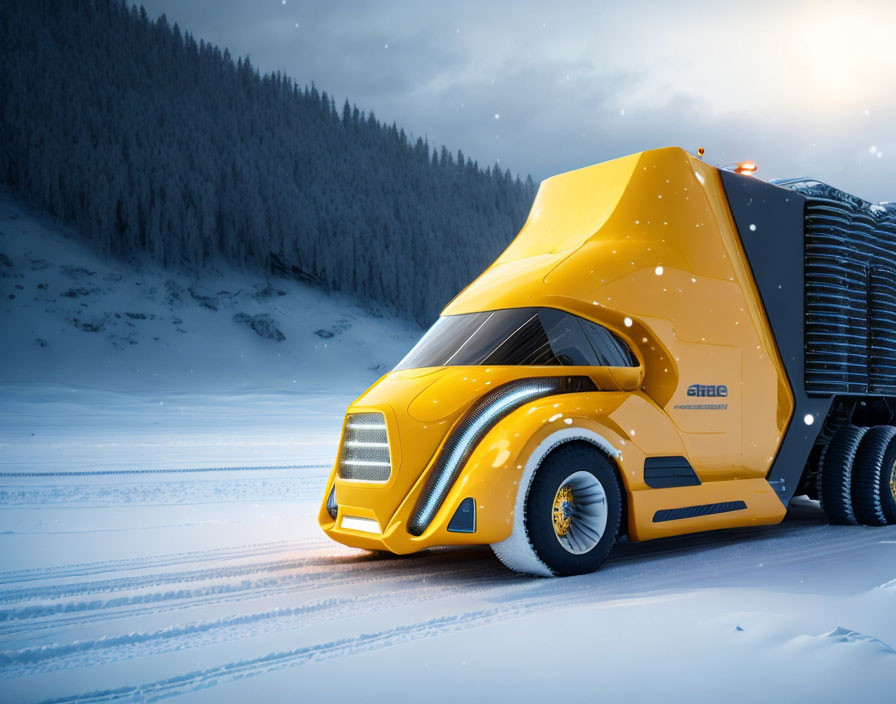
[802, 88]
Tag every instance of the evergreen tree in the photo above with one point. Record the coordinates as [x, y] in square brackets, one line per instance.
[147, 140]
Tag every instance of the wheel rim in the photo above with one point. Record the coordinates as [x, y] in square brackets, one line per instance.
[579, 513]
[893, 481]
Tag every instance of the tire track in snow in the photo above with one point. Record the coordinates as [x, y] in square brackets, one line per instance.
[512, 597]
[165, 493]
[108, 472]
[201, 679]
[335, 571]
[326, 567]
[50, 592]
[515, 596]
[364, 642]
[120, 584]
[92, 652]
[212, 555]
[268, 548]
[31, 620]
[549, 596]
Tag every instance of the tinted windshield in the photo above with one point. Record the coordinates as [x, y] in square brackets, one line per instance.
[518, 336]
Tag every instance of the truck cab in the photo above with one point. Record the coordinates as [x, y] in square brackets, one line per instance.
[617, 370]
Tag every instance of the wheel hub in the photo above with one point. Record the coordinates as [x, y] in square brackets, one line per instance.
[563, 511]
[579, 513]
[893, 482]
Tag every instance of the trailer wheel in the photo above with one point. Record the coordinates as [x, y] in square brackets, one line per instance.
[835, 475]
[874, 477]
[571, 517]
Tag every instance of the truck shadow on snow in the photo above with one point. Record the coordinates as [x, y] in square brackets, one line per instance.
[784, 557]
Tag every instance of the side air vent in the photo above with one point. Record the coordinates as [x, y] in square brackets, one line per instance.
[678, 514]
[365, 449]
[850, 296]
[332, 506]
[669, 472]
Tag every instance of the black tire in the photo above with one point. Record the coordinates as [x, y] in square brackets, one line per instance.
[550, 477]
[873, 470]
[835, 475]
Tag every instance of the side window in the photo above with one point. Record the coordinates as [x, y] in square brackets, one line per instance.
[443, 340]
[518, 336]
[568, 342]
[527, 344]
[491, 336]
[610, 350]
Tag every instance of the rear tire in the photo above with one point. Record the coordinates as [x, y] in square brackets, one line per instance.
[835, 475]
[571, 515]
[874, 477]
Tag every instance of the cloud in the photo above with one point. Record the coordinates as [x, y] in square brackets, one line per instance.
[801, 88]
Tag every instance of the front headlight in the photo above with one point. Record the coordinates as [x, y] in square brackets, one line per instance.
[364, 455]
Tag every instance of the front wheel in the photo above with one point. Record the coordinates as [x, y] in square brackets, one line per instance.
[571, 515]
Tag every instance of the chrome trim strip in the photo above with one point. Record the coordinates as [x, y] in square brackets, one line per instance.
[479, 420]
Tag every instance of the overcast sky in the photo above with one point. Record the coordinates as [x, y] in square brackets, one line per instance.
[802, 88]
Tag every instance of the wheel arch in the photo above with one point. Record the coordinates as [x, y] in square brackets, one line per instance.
[517, 545]
[557, 439]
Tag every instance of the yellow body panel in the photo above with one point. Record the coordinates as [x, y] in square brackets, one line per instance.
[645, 246]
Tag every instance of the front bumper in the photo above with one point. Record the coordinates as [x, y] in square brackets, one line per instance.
[491, 493]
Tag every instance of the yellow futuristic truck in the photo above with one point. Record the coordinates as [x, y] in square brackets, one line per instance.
[665, 348]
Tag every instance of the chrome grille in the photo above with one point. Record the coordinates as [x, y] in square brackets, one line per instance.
[365, 448]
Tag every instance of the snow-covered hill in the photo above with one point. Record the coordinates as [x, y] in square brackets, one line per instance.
[72, 318]
[111, 363]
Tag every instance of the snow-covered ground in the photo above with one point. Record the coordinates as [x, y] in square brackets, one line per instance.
[114, 364]
[158, 534]
[217, 586]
